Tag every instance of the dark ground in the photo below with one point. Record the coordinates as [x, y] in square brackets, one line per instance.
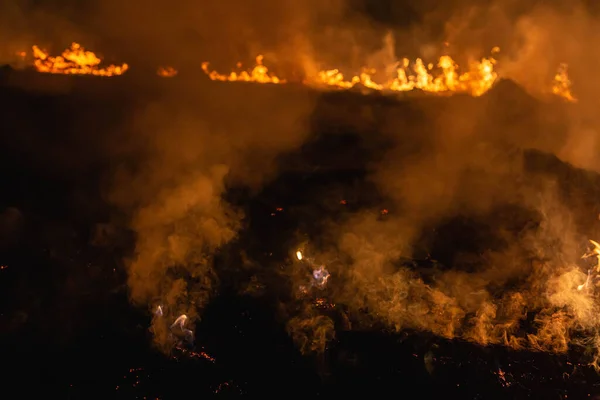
[69, 332]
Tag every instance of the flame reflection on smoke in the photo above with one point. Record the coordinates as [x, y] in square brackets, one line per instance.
[179, 329]
[320, 275]
[180, 321]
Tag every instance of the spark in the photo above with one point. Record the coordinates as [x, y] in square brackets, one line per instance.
[159, 311]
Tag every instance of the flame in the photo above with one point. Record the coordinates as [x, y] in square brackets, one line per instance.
[442, 77]
[299, 255]
[166, 72]
[476, 81]
[562, 84]
[260, 74]
[74, 61]
[416, 75]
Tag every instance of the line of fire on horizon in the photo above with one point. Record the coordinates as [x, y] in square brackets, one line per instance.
[442, 77]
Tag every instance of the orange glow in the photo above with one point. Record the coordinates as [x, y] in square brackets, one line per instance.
[562, 84]
[259, 73]
[166, 72]
[74, 61]
[444, 76]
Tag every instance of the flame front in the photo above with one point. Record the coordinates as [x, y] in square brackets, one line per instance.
[74, 61]
[443, 77]
[477, 80]
[416, 75]
[260, 74]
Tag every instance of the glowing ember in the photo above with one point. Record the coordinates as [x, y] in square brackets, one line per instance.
[323, 304]
[166, 72]
[74, 61]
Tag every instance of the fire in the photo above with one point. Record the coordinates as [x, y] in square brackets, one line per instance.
[562, 84]
[74, 61]
[409, 76]
[444, 76]
[260, 74]
[416, 75]
[166, 72]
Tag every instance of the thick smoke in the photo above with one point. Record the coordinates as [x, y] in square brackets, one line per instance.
[193, 141]
[197, 139]
[525, 288]
[189, 145]
[535, 39]
[294, 34]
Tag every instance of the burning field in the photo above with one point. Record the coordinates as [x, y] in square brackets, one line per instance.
[359, 206]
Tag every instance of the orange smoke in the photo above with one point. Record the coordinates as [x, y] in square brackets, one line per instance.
[74, 61]
[554, 307]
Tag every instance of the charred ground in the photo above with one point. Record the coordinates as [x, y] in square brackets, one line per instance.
[68, 328]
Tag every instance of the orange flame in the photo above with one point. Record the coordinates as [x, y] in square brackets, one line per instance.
[74, 61]
[562, 84]
[442, 77]
[476, 81]
[260, 74]
[166, 72]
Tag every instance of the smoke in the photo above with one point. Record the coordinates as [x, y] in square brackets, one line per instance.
[25, 23]
[523, 287]
[519, 284]
[195, 140]
[521, 291]
[187, 147]
[534, 39]
[293, 33]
